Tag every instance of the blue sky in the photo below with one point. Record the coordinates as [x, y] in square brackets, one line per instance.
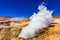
[25, 8]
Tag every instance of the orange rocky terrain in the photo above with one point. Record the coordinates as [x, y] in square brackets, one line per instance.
[52, 32]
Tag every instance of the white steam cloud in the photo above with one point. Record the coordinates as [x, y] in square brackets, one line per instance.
[38, 21]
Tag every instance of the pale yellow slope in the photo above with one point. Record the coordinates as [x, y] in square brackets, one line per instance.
[52, 32]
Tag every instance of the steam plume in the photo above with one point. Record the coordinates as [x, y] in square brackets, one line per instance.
[38, 21]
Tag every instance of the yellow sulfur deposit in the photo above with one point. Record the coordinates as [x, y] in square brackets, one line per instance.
[52, 32]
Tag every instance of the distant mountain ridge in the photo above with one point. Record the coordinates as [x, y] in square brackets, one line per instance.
[3, 18]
